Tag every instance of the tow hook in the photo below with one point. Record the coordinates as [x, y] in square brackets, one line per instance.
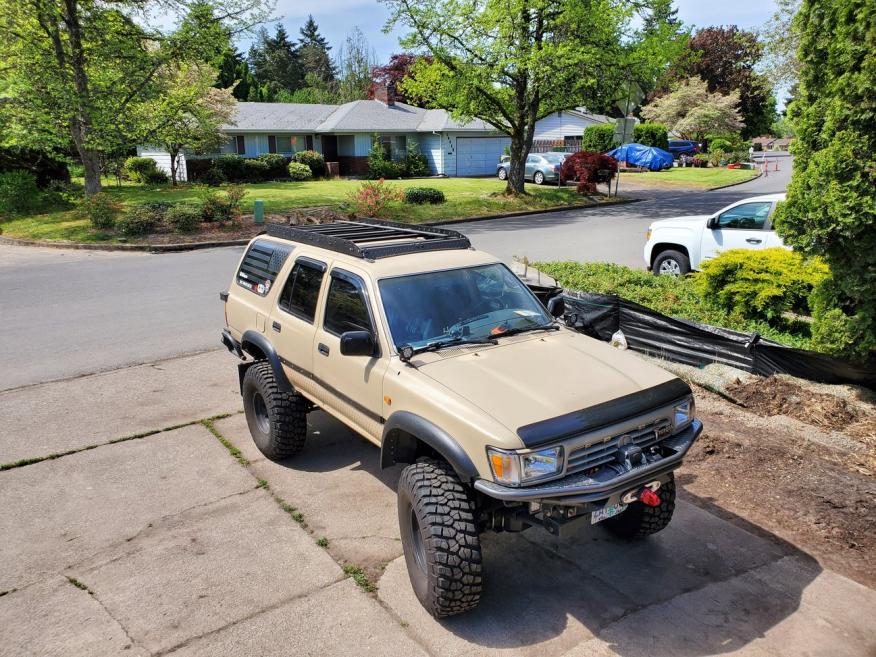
[647, 495]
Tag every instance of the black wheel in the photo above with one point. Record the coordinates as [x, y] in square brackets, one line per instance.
[503, 173]
[640, 520]
[277, 420]
[538, 178]
[440, 540]
[671, 263]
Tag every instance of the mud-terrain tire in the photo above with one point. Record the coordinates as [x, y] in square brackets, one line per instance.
[640, 520]
[440, 539]
[277, 420]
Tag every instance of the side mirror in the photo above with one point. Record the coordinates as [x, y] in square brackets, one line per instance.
[556, 306]
[357, 343]
[712, 222]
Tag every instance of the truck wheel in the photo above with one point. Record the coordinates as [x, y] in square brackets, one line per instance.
[640, 520]
[440, 540]
[277, 420]
[671, 263]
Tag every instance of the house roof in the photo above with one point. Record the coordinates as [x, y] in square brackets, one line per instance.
[367, 115]
[294, 117]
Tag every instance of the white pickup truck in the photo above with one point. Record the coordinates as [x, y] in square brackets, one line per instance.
[677, 246]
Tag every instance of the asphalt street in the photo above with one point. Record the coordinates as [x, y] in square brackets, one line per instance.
[68, 313]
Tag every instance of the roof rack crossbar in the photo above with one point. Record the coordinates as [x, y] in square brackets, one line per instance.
[352, 237]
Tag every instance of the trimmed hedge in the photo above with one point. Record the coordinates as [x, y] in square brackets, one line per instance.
[312, 159]
[299, 171]
[652, 134]
[423, 195]
[598, 138]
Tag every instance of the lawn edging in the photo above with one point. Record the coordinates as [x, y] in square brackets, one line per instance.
[142, 248]
[523, 213]
[741, 182]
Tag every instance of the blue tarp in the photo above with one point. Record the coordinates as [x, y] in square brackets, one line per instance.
[642, 156]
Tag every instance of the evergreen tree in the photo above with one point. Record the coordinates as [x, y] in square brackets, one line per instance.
[275, 62]
[233, 69]
[313, 51]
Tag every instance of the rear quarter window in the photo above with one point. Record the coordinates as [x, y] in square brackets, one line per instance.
[260, 266]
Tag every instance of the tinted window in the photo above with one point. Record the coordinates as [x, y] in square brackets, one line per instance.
[260, 266]
[345, 308]
[301, 291]
[751, 216]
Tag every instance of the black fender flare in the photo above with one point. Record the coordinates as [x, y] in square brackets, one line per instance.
[403, 429]
[259, 341]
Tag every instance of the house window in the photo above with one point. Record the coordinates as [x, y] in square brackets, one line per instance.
[241, 144]
[272, 144]
[394, 146]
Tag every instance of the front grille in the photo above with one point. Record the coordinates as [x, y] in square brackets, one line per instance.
[603, 451]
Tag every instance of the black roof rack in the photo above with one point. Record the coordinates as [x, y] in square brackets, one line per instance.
[371, 239]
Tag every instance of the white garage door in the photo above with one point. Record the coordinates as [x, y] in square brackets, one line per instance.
[479, 156]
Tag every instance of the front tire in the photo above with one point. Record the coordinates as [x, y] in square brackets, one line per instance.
[277, 420]
[503, 174]
[671, 263]
[640, 520]
[538, 178]
[440, 539]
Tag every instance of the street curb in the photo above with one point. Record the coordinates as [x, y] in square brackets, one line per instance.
[523, 213]
[712, 189]
[141, 248]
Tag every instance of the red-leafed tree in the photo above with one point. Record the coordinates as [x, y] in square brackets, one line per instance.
[588, 169]
[392, 75]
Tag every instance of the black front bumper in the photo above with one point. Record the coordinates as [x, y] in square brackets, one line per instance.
[580, 488]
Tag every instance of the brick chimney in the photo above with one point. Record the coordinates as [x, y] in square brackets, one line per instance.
[385, 93]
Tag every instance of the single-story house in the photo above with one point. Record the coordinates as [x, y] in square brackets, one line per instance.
[344, 134]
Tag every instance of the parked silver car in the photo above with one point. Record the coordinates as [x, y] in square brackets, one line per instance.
[540, 167]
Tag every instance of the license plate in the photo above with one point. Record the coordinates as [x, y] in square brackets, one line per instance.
[606, 512]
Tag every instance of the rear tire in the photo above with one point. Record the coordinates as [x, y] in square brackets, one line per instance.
[440, 539]
[671, 263]
[640, 520]
[538, 178]
[277, 420]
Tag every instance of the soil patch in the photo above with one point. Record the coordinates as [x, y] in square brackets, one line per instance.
[771, 473]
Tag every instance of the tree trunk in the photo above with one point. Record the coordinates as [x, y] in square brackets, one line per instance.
[517, 166]
[174, 163]
[91, 164]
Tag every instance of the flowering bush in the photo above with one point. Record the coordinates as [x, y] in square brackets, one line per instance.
[588, 169]
[372, 198]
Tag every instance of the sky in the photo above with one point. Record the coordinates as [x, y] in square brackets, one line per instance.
[337, 17]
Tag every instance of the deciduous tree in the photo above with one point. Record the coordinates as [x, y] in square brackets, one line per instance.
[393, 74]
[692, 111]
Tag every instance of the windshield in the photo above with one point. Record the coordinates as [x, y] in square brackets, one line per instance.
[473, 303]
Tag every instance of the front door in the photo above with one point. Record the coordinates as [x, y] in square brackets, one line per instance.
[352, 385]
[739, 227]
[330, 148]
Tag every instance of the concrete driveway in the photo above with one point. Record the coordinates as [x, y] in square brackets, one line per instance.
[135, 524]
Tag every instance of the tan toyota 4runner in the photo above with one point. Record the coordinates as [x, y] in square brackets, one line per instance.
[439, 355]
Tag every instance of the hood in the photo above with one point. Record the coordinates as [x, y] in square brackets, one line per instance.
[542, 376]
[681, 222]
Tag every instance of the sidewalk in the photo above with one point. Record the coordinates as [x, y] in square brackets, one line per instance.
[186, 541]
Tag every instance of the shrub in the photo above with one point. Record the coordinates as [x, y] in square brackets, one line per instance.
[18, 191]
[299, 171]
[233, 200]
[213, 177]
[221, 208]
[598, 138]
[100, 210]
[184, 218]
[757, 146]
[46, 168]
[588, 169]
[156, 177]
[139, 220]
[836, 328]
[416, 163]
[139, 169]
[383, 168]
[232, 166]
[422, 195]
[699, 161]
[760, 285]
[720, 145]
[372, 198]
[255, 170]
[312, 159]
[275, 163]
[652, 134]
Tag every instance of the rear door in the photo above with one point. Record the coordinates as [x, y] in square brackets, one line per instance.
[351, 385]
[742, 226]
[532, 163]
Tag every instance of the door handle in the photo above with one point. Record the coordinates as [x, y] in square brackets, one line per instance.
[323, 349]
[753, 240]
[276, 326]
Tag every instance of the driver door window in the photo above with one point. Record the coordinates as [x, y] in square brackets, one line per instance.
[345, 308]
[740, 227]
[748, 216]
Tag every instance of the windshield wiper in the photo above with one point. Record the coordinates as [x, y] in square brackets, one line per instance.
[406, 351]
[552, 326]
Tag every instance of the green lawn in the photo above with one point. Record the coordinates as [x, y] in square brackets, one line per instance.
[688, 177]
[466, 197]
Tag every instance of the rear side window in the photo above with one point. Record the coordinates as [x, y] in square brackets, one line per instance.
[301, 291]
[261, 264]
[345, 308]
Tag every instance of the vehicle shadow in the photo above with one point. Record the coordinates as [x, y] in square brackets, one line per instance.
[709, 584]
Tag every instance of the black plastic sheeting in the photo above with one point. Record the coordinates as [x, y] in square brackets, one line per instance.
[600, 316]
